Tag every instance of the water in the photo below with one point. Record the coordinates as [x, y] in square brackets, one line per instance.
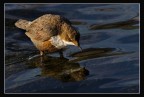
[109, 62]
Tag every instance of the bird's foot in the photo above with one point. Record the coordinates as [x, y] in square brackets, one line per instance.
[32, 57]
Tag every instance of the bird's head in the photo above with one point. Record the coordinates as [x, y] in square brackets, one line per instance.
[71, 35]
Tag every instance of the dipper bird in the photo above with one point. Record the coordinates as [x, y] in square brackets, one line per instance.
[50, 33]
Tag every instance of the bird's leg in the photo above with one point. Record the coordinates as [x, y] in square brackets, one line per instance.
[32, 57]
[61, 54]
[41, 58]
[41, 53]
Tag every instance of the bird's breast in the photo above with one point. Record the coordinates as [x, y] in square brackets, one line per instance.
[53, 44]
[57, 42]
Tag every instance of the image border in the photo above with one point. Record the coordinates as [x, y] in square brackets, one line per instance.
[72, 93]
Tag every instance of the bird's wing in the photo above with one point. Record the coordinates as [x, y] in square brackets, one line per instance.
[46, 26]
[41, 31]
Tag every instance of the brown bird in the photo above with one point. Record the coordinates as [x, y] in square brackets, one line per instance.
[50, 33]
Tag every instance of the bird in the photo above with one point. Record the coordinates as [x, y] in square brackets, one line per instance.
[50, 32]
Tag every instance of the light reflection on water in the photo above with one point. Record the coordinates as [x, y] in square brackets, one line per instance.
[109, 38]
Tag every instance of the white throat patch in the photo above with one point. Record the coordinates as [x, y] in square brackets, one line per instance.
[59, 43]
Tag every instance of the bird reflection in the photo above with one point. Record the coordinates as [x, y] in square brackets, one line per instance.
[59, 68]
[69, 70]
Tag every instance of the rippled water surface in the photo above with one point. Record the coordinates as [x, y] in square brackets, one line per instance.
[109, 62]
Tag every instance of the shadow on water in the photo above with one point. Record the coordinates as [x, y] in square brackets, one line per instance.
[127, 25]
[95, 53]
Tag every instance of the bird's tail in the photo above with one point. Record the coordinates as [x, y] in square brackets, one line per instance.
[23, 24]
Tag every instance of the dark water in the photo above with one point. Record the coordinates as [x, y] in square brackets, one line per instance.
[109, 62]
